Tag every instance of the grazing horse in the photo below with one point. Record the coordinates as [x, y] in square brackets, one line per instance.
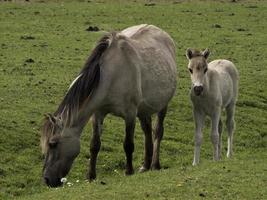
[129, 74]
[214, 87]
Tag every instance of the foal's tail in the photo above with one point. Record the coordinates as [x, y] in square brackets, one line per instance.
[85, 84]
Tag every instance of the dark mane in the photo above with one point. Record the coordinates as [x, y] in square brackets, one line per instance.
[196, 53]
[86, 82]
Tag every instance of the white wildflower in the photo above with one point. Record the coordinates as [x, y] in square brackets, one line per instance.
[69, 184]
[63, 180]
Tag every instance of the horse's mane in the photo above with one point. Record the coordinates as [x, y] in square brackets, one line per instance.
[81, 88]
[196, 53]
[85, 83]
[47, 131]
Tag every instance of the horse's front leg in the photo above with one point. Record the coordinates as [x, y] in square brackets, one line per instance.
[128, 144]
[97, 122]
[215, 137]
[199, 118]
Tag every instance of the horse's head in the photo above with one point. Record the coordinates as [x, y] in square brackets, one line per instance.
[60, 150]
[198, 67]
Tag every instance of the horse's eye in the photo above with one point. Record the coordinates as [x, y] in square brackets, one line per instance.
[191, 71]
[205, 70]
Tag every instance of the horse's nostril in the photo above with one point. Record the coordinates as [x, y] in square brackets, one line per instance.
[198, 89]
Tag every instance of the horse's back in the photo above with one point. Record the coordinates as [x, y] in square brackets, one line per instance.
[148, 36]
[156, 51]
[141, 60]
[224, 66]
[228, 77]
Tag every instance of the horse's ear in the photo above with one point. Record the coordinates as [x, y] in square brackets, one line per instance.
[206, 53]
[189, 54]
[51, 118]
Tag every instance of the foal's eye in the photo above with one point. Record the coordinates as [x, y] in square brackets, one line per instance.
[205, 70]
[191, 71]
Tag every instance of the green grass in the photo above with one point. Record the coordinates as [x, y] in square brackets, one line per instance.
[54, 36]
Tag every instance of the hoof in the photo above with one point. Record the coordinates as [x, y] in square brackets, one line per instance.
[143, 169]
[229, 155]
[91, 177]
[155, 166]
[129, 172]
[216, 159]
[195, 163]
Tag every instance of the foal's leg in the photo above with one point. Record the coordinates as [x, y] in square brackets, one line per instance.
[129, 143]
[97, 122]
[157, 139]
[146, 125]
[199, 118]
[215, 138]
[230, 109]
[220, 129]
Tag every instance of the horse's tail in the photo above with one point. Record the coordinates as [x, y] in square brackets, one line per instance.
[86, 82]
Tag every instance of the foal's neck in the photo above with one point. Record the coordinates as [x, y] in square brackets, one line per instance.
[206, 83]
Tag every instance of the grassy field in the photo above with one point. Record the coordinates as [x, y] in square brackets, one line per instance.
[43, 45]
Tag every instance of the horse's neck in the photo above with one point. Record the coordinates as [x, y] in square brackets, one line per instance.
[207, 82]
[74, 131]
[75, 127]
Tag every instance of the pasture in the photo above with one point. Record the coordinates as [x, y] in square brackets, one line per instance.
[43, 46]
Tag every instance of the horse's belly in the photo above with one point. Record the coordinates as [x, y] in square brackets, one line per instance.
[158, 87]
[226, 88]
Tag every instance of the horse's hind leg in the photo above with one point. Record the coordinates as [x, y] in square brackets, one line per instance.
[158, 134]
[97, 122]
[146, 125]
[129, 143]
[215, 137]
[230, 109]
[220, 129]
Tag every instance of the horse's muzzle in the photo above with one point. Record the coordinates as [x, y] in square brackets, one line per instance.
[198, 90]
[53, 182]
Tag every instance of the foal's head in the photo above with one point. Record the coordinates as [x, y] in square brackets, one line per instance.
[59, 150]
[198, 68]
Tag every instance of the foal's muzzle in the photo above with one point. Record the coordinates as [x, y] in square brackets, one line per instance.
[198, 90]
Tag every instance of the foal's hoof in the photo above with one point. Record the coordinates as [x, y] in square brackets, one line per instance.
[143, 169]
[229, 155]
[216, 159]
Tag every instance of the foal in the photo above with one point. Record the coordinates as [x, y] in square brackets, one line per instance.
[214, 87]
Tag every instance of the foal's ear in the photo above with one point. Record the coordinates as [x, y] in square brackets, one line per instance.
[189, 54]
[206, 53]
[51, 118]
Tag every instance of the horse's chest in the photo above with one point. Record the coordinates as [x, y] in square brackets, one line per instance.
[207, 104]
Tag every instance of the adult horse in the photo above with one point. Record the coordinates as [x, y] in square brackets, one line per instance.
[130, 74]
[214, 87]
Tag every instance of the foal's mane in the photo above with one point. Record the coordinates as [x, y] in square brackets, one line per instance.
[81, 88]
[196, 53]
